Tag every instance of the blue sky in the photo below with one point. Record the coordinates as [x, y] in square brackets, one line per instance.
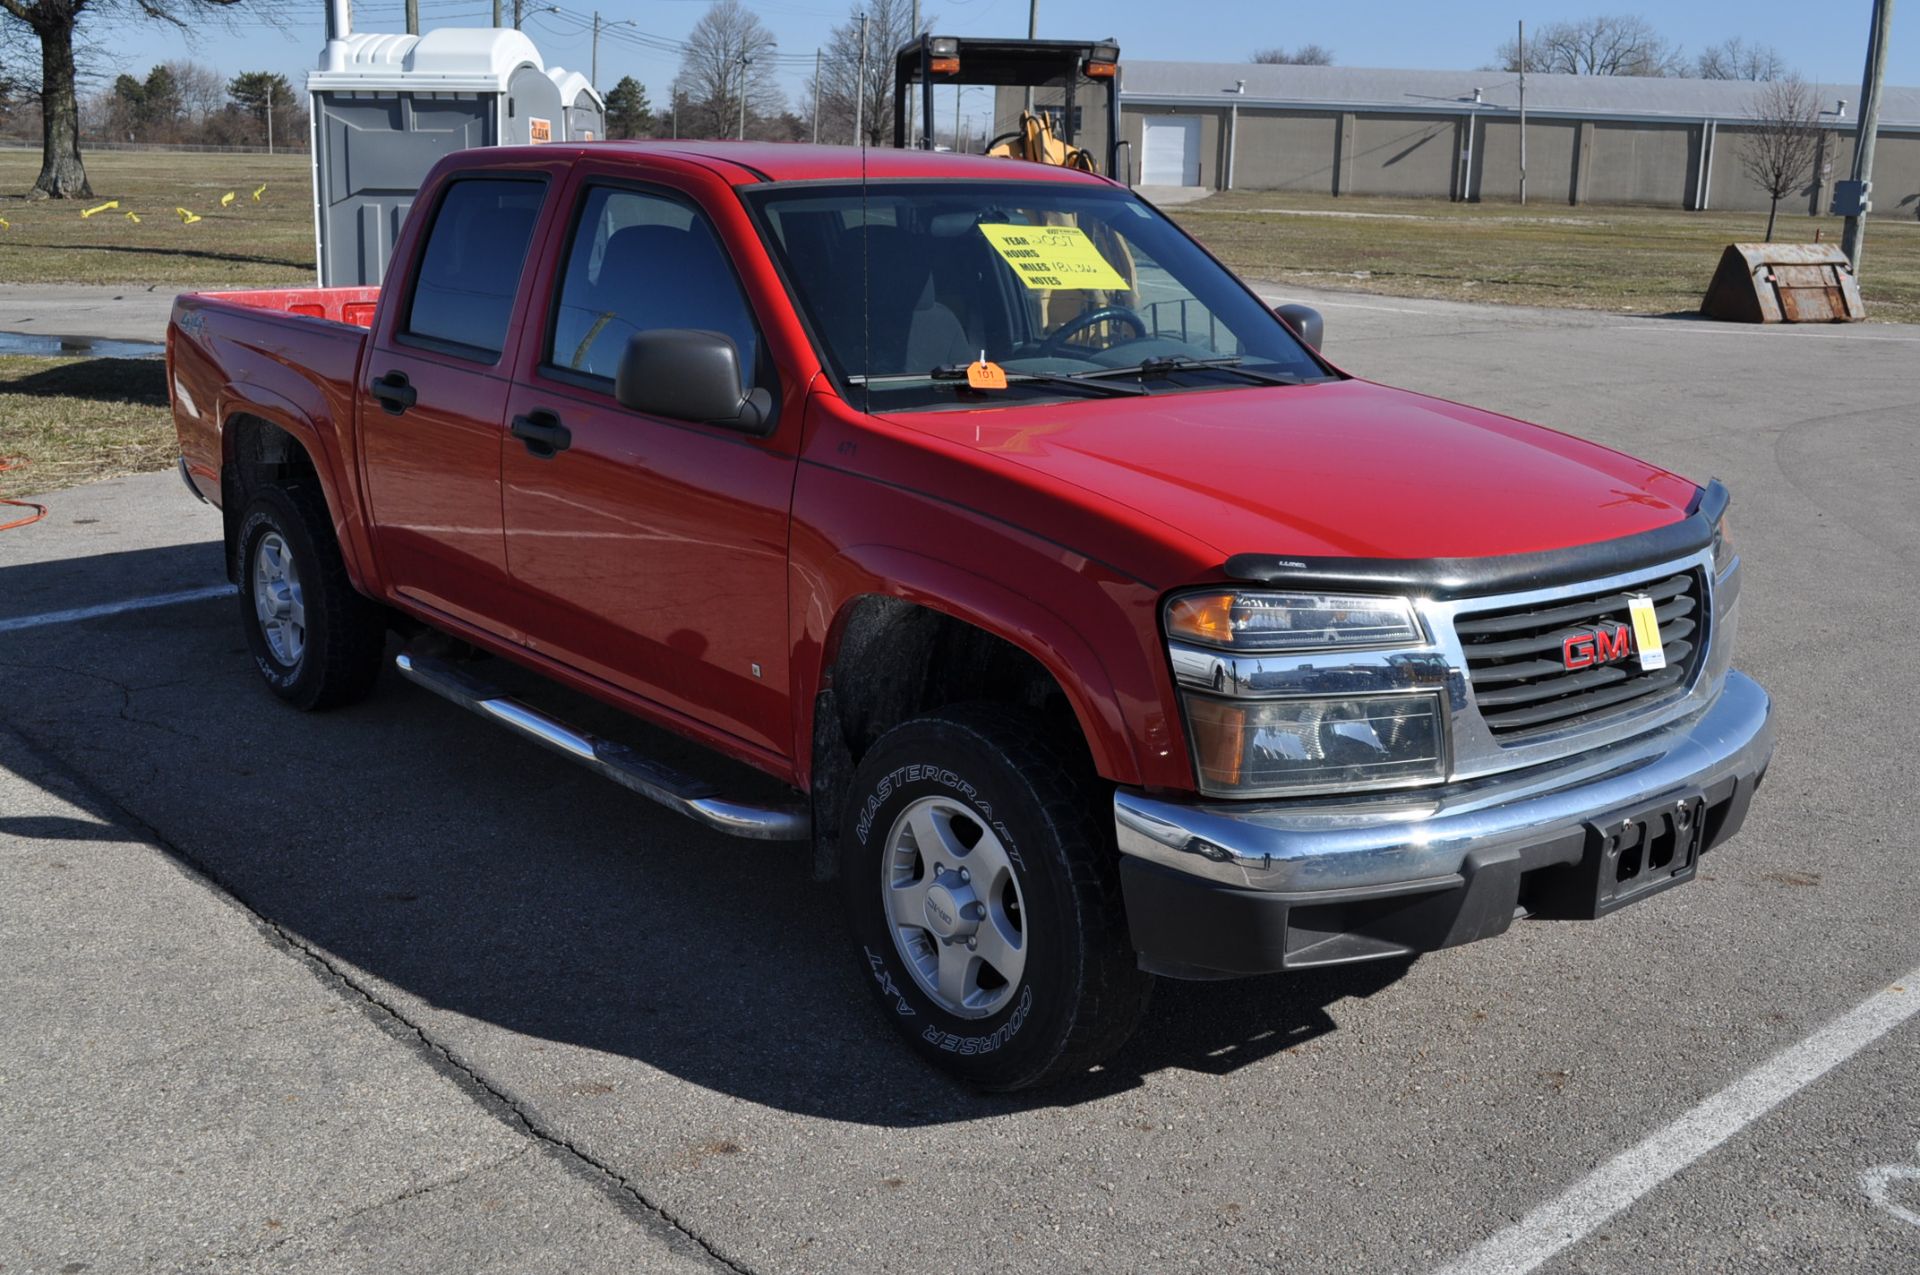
[1381, 33]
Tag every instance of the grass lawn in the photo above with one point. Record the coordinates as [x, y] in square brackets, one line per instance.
[1640, 259]
[70, 421]
[248, 243]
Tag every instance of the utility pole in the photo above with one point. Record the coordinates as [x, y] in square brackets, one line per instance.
[1853, 233]
[516, 13]
[413, 17]
[745, 62]
[1523, 111]
[816, 97]
[959, 91]
[269, 117]
[598, 26]
[496, 13]
[860, 90]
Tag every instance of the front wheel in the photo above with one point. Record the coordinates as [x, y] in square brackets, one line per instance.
[982, 891]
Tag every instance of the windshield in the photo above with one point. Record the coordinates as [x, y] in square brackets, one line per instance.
[1072, 291]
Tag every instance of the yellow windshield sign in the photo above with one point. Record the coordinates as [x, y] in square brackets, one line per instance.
[1053, 257]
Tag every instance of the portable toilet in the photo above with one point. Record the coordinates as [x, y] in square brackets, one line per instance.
[581, 105]
[385, 108]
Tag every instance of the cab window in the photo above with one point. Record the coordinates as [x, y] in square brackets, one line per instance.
[638, 262]
[470, 268]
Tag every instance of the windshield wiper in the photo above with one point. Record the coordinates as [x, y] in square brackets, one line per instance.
[958, 372]
[1185, 363]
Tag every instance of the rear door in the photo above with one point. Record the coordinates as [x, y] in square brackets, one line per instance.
[434, 396]
[650, 553]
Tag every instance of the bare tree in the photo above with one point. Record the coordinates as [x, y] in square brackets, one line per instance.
[1305, 55]
[54, 24]
[1778, 152]
[1735, 59]
[729, 53]
[202, 91]
[1606, 45]
[889, 25]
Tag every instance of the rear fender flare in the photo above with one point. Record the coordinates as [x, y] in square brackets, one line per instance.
[297, 421]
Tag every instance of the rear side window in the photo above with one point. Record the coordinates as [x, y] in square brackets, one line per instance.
[640, 262]
[470, 270]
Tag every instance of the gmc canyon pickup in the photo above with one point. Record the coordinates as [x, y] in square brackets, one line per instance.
[1097, 626]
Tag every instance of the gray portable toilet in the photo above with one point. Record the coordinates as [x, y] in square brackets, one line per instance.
[581, 104]
[385, 108]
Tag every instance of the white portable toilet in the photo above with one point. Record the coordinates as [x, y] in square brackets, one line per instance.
[385, 108]
[581, 105]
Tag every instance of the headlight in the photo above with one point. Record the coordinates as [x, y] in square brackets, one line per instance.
[1724, 554]
[1250, 747]
[1237, 620]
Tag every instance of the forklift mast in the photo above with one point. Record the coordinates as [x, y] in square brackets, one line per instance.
[1083, 74]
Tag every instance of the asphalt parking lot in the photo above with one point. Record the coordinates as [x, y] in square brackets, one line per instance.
[383, 990]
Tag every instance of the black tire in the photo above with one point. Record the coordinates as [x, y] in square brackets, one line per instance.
[1081, 992]
[345, 633]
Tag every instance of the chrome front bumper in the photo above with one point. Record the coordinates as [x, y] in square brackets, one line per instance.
[1411, 839]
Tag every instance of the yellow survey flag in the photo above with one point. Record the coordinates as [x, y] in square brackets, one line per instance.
[98, 208]
[187, 218]
[261, 190]
[5, 224]
[133, 216]
[226, 200]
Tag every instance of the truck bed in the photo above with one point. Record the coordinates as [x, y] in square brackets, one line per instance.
[287, 355]
[339, 305]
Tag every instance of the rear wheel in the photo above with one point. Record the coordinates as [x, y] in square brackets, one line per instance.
[317, 642]
[982, 891]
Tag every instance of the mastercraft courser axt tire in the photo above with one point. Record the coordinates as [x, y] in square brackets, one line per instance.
[290, 567]
[982, 891]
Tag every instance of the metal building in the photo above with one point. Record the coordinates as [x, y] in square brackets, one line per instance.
[1456, 135]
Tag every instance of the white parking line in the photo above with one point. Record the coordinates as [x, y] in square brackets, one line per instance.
[1568, 1218]
[115, 608]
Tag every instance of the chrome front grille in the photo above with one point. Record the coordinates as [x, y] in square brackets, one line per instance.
[1516, 663]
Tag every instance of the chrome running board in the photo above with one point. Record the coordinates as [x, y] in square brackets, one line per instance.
[694, 798]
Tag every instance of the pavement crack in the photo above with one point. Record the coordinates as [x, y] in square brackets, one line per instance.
[674, 1230]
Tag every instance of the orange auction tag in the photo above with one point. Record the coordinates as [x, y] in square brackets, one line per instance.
[986, 376]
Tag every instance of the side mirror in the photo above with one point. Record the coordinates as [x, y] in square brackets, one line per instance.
[1305, 322]
[686, 375]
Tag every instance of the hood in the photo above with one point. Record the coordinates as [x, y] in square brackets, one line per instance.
[1344, 469]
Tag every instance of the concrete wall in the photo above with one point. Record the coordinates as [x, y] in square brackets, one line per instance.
[1896, 175]
[1213, 151]
[1654, 163]
[1286, 152]
[1552, 147]
[1642, 164]
[1402, 155]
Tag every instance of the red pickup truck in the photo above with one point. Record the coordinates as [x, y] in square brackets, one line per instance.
[1093, 624]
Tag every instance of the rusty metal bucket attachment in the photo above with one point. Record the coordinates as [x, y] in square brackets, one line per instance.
[1784, 283]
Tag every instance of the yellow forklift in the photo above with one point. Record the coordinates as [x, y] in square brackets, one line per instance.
[1075, 76]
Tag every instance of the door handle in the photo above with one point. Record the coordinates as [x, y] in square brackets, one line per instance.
[543, 433]
[394, 393]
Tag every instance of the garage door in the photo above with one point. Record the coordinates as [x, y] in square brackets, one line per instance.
[1171, 146]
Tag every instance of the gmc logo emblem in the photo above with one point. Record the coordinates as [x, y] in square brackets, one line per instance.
[1606, 645]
